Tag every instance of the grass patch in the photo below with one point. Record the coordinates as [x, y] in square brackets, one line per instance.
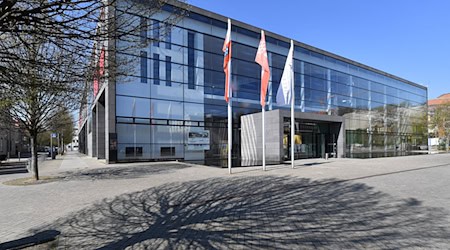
[31, 181]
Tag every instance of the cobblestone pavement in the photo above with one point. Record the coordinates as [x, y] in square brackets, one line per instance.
[387, 203]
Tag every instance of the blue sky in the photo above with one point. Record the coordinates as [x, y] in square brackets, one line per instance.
[407, 38]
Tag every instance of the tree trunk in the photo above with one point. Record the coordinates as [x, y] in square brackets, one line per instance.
[34, 156]
[63, 148]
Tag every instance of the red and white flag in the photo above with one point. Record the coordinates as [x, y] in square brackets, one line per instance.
[227, 61]
[261, 59]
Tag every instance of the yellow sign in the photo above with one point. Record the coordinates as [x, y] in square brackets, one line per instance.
[297, 139]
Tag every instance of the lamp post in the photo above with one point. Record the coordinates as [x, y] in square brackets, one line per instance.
[370, 137]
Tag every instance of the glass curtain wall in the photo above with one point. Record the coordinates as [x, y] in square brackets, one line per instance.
[175, 91]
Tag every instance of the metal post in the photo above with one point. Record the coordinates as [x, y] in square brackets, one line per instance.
[51, 146]
[446, 129]
[292, 130]
[230, 101]
[292, 111]
[446, 147]
[230, 136]
[62, 144]
[263, 139]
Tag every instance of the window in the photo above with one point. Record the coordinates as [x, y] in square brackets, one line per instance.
[144, 67]
[133, 151]
[212, 44]
[156, 69]
[167, 151]
[168, 71]
[143, 27]
[191, 60]
[245, 52]
[168, 39]
[129, 151]
[156, 35]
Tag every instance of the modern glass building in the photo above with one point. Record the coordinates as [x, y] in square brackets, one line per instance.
[171, 104]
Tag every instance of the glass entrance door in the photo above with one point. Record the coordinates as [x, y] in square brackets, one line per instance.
[312, 140]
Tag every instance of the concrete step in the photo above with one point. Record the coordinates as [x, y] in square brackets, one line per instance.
[13, 168]
[13, 163]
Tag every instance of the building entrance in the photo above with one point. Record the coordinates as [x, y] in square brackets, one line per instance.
[315, 136]
[312, 139]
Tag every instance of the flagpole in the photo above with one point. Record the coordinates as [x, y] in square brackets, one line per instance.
[262, 60]
[292, 112]
[263, 138]
[230, 100]
[228, 90]
[230, 129]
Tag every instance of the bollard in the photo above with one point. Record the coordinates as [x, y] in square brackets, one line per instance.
[326, 156]
[19, 155]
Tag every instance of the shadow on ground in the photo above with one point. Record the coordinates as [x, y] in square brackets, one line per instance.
[41, 239]
[255, 212]
[126, 172]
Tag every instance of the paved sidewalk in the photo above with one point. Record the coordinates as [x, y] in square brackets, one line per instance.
[382, 203]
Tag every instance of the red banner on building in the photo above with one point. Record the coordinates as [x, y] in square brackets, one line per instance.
[99, 72]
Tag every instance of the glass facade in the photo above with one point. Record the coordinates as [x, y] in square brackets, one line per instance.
[177, 94]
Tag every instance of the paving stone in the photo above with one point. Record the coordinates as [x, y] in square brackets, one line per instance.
[380, 203]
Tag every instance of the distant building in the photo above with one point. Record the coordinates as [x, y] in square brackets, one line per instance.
[172, 104]
[433, 104]
[12, 140]
[441, 100]
[74, 144]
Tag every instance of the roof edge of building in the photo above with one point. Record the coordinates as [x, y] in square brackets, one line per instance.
[444, 96]
[217, 16]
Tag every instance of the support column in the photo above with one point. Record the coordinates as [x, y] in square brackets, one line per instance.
[110, 93]
[341, 143]
[110, 123]
[100, 131]
[94, 132]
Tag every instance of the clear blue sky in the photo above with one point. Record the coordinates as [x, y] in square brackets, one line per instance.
[407, 38]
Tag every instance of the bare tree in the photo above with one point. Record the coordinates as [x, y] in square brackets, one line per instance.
[49, 50]
[81, 23]
[44, 83]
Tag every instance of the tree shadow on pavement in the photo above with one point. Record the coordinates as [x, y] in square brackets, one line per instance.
[255, 212]
[126, 172]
